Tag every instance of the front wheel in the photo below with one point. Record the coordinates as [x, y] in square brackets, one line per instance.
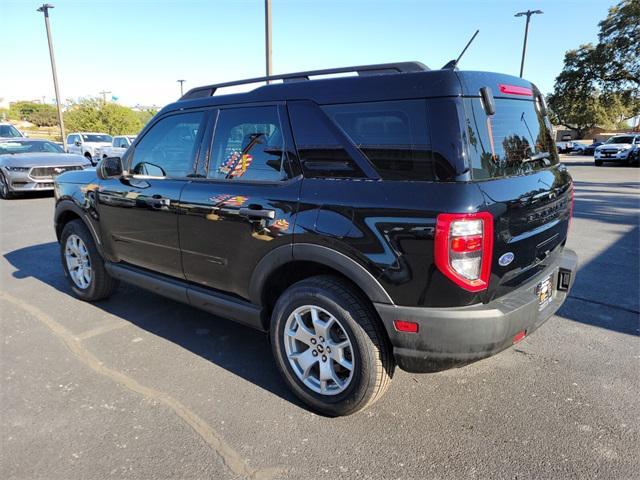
[330, 347]
[598, 163]
[5, 190]
[83, 265]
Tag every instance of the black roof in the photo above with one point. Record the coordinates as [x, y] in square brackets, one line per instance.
[393, 81]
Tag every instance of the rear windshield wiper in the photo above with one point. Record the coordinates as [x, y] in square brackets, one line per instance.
[538, 156]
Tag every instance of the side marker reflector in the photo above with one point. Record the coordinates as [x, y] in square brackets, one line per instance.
[519, 336]
[404, 326]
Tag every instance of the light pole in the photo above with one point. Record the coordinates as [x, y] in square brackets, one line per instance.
[181, 89]
[104, 95]
[45, 9]
[267, 35]
[528, 13]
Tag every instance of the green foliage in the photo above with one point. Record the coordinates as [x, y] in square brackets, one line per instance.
[617, 55]
[39, 114]
[600, 85]
[91, 115]
[145, 115]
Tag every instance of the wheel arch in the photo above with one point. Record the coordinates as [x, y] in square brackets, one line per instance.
[288, 264]
[67, 211]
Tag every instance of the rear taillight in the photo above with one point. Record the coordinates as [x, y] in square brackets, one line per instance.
[464, 247]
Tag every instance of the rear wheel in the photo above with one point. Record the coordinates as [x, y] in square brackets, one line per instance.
[83, 265]
[329, 346]
[5, 189]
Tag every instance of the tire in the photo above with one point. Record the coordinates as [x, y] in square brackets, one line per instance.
[100, 284]
[89, 157]
[355, 322]
[5, 189]
[598, 163]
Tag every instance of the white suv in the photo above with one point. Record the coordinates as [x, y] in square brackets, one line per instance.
[118, 147]
[88, 144]
[618, 148]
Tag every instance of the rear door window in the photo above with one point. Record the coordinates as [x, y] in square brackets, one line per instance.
[321, 151]
[504, 144]
[393, 135]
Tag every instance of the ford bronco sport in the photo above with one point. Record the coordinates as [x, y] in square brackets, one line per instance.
[397, 217]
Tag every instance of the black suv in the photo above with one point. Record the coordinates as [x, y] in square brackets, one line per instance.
[399, 216]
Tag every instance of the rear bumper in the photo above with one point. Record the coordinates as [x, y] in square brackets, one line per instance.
[452, 337]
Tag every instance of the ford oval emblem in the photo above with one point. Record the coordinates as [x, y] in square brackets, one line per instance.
[506, 259]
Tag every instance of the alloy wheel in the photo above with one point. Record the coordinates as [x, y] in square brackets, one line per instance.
[319, 350]
[4, 188]
[78, 261]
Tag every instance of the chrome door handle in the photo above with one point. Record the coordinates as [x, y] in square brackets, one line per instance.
[159, 202]
[258, 213]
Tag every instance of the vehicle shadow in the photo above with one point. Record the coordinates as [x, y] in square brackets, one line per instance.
[611, 278]
[605, 293]
[238, 349]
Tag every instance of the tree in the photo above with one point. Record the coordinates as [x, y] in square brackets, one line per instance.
[39, 114]
[145, 115]
[600, 85]
[95, 115]
[617, 55]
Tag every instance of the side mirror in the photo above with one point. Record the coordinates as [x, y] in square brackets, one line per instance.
[78, 143]
[110, 167]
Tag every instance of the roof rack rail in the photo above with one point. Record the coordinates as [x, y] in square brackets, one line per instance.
[362, 70]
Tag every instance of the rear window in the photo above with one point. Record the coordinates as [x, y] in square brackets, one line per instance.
[97, 138]
[392, 135]
[503, 144]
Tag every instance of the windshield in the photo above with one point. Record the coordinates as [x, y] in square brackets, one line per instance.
[97, 138]
[516, 140]
[29, 147]
[620, 140]
[9, 131]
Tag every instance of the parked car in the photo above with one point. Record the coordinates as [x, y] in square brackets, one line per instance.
[619, 148]
[29, 165]
[564, 146]
[578, 148]
[590, 149]
[118, 146]
[401, 217]
[9, 131]
[87, 144]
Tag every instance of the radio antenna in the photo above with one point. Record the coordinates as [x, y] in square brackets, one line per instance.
[454, 63]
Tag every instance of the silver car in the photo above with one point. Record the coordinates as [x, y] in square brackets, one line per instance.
[29, 165]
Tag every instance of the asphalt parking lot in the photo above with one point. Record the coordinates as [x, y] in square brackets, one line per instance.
[142, 387]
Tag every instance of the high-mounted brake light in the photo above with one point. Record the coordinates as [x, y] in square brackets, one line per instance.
[515, 90]
[464, 248]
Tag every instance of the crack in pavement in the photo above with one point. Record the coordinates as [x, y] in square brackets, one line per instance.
[603, 304]
[230, 457]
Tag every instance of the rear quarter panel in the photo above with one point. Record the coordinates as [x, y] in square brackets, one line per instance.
[388, 227]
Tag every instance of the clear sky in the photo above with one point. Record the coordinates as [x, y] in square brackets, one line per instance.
[137, 49]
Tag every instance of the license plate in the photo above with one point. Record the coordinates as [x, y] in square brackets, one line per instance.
[544, 292]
